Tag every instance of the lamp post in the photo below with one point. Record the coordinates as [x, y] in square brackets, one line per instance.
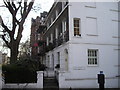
[101, 80]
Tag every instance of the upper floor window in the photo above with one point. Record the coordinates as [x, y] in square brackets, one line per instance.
[92, 56]
[77, 27]
[39, 37]
[64, 25]
[51, 35]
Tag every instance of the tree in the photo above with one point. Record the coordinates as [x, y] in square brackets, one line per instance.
[13, 35]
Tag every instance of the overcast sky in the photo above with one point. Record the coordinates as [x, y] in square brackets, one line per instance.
[45, 6]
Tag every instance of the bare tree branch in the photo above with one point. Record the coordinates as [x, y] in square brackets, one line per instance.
[7, 43]
[18, 6]
[27, 11]
[14, 6]
[5, 3]
[12, 11]
[25, 6]
[5, 27]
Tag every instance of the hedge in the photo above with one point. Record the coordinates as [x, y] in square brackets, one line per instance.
[24, 71]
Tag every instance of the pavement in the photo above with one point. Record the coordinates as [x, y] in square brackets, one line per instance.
[50, 84]
[65, 89]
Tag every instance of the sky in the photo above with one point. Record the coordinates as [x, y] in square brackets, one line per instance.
[44, 5]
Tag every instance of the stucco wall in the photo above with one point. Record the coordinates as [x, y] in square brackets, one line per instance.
[107, 62]
[105, 15]
[105, 40]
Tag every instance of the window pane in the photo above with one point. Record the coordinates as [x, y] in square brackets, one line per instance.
[95, 53]
[95, 60]
[88, 61]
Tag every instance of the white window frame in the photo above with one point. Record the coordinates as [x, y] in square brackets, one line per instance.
[92, 56]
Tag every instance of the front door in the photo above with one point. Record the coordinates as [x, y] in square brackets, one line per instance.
[49, 72]
[52, 62]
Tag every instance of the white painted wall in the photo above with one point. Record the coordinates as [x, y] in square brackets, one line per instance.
[107, 62]
[105, 39]
[104, 17]
[119, 68]
[80, 75]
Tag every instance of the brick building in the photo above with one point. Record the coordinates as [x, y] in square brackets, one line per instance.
[36, 37]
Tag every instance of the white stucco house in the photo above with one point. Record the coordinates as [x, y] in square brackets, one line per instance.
[84, 39]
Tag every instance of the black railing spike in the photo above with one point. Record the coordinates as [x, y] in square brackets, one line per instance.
[70, 88]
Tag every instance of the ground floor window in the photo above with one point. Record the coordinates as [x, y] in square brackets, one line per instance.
[92, 56]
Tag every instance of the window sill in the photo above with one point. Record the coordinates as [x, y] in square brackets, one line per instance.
[92, 35]
[92, 65]
[90, 6]
[77, 36]
[115, 37]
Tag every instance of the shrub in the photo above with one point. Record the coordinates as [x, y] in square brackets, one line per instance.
[15, 74]
[22, 71]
